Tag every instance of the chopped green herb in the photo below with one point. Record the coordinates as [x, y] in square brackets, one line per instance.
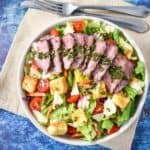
[105, 61]
[116, 72]
[95, 56]
[43, 55]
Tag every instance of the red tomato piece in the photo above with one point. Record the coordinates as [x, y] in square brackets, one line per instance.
[35, 103]
[34, 65]
[99, 107]
[54, 32]
[111, 41]
[114, 129]
[71, 130]
[77, 135]
[79, 25]
[73, 99]
[43, 85]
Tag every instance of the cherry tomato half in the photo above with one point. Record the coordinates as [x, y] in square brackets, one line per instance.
[73, 99]
[35, 103]
[43, 85]
[99, 107]
[71, 130]
[79, 25]
[54, 32]
[113, 129]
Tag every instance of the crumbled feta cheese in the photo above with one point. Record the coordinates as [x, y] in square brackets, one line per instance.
[98, 117]
[75, 90]
[68, 28]
[109, 107]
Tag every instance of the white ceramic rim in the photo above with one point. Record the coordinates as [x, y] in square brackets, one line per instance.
[78, 141]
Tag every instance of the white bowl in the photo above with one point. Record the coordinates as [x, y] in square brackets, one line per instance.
[78, 141]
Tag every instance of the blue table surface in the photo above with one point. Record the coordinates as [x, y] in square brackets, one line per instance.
[18, 133]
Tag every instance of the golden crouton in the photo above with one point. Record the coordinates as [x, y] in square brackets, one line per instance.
[57, 128]
[120, 100]
[29, 84]
[100, 90]
[79, 117]
[59, 85]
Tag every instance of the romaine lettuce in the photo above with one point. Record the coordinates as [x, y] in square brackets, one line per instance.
[131, 92]
[140, 71]
[92, 105]
[126, 113]
[87, 130]
[107, 124]
[62, 113]
[70, 78]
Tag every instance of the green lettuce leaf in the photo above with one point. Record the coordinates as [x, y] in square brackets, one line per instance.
[70, 79]
[131, 92]
[140, 71]
[91, 27]
[62, 113]
[107, 124]
[46, 101]
[126, 113]
[116, 35]
[90, 110]
[88, 131]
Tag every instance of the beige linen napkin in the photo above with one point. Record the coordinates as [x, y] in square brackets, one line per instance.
[33, 23]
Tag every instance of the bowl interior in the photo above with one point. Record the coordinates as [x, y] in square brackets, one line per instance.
[77, 141]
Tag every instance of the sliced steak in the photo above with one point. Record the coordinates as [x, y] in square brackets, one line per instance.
[41, 46]
[42, 58]
[78, 52]
[105, 62]
[115, 85]
[68, 42]
[43, 64]
[89, 41]
[56, 43]
[127, 67]
[100, 47]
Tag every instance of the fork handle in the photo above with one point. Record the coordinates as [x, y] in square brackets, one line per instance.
[132, 24]
[129, 23]
[139, 11]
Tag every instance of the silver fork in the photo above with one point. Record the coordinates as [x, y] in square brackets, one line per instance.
[68, 8]
[60, 9]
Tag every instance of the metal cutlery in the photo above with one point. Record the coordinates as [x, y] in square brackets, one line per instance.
[56, 7]
[68, 8]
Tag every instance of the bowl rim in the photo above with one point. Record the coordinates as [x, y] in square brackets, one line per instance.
[78, 141]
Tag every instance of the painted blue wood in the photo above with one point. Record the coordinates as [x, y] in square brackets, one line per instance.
[17, 132]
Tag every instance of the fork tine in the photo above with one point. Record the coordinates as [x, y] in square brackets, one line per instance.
[55, 9]
[54, 2]
[51, 4]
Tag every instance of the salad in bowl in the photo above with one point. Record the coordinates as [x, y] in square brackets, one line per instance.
[82, 79]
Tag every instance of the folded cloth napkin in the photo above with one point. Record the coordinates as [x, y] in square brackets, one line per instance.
[145, 3]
